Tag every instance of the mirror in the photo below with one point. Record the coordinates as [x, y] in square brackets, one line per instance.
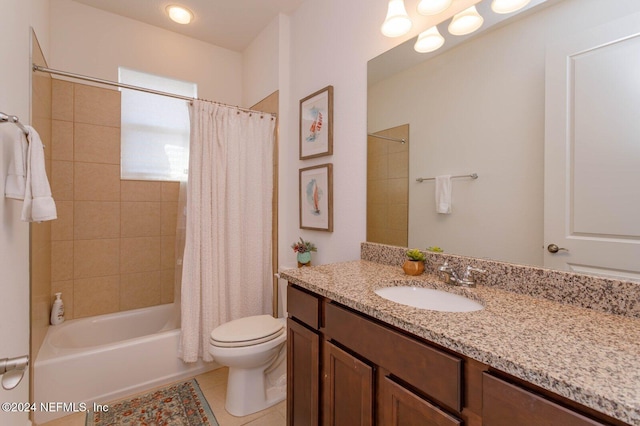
[477, 105]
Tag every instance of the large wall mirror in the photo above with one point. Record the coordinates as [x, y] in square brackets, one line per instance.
[560, 71]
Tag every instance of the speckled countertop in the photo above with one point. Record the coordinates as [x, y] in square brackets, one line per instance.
[588, 356]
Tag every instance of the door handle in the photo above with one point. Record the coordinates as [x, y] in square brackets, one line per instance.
[553, 248]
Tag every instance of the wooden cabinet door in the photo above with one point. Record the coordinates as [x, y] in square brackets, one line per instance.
[303, 375]
[398, 406]
[347, 388]
[505, 404]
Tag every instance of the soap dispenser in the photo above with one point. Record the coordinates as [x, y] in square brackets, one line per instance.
[57, 312]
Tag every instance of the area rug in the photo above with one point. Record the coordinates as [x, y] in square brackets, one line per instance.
[180, 404]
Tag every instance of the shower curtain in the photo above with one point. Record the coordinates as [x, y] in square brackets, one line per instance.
[227, 257]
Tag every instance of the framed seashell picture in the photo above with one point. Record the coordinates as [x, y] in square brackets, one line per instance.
[316, 124]
[316, 198]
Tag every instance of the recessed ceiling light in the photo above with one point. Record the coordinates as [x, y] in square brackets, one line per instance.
[179, 14]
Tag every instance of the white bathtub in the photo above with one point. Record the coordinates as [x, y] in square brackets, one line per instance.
[103, 358]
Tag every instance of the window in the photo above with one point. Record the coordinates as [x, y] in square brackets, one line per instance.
[154, 128]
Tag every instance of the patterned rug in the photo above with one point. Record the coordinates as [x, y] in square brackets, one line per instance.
[181, 404]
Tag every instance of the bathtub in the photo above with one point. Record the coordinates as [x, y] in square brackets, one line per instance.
[107, 357]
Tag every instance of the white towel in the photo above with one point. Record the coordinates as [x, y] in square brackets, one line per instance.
[38, 203]
[14, 186]
[443, 194]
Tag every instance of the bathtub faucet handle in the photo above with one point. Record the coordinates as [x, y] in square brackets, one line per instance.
[12, 370]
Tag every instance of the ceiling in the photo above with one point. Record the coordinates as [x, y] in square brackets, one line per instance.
[232, 24]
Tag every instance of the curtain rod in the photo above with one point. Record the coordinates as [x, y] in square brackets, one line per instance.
[138, 88]
[387, 138]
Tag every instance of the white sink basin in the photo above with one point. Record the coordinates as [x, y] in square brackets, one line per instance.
[428, 298]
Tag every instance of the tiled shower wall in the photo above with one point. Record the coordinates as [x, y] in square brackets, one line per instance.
[113, 245]
[388, 188]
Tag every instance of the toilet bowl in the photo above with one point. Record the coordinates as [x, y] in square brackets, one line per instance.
[254, 350]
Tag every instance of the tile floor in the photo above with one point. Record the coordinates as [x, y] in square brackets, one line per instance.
[213, 385]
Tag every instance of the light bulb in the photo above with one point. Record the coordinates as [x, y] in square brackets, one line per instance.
[429, 40]
[179, 14]
[397, 22]
[433, 7]
[466, 22]
[508, 6]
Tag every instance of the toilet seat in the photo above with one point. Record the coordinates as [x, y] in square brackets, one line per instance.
[247, 331]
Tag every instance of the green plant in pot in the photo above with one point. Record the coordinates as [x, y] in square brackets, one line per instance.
[414, 265]
[303, 250]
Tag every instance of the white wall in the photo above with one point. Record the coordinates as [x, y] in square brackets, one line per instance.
[16, 18]
[88, 41]
[260, 64]
[480, 108]
[331, 42]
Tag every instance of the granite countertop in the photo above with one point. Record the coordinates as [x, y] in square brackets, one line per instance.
[588, 356]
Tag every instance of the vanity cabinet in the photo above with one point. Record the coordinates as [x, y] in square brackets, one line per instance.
[346, 368]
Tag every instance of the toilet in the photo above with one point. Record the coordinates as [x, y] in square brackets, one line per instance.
[254, 349]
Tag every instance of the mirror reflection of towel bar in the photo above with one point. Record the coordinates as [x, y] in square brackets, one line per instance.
[472, 176]
[386, 138]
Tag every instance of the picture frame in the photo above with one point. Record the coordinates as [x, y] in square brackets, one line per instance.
[316, 124]
[316, 197]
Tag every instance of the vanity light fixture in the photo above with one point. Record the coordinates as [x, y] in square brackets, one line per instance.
[466, 22]
[508, 6]
[429, 40]
[433, 7]
[179, 14]
[397, 22]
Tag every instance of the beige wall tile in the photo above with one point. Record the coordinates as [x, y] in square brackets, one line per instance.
[96, 182]
[62, 100]
[377, 167]
[94, 105]
[62, 180]
[399, 165]
[96, 144]
[140, 219]
[396, 238]
[379, 217]
[399, 217]
[137, 190]
[168, 256]
[376, 147]
[61, 260]
[170, 191]
[66, 288]
[62, 140]
[139, 290]
[96, 258]
[169, 218]
[140, 254]
[398, 191]
[167, 286]
[96, 219]
[62, 228]
[41, 93]
[96, 296]
[377, 191]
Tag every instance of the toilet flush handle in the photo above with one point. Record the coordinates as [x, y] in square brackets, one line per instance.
[12, 371]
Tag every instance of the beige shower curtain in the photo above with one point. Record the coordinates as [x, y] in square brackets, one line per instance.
[227, 258]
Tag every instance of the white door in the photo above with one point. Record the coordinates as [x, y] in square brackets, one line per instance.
[592, 150]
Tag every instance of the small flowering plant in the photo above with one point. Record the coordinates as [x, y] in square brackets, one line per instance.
[303, 246]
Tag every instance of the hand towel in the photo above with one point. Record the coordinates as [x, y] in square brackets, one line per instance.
[14, 186]
[38, 204]
[443, 194]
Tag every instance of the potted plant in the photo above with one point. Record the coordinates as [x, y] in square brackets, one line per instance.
[303, 249]
[414, 265]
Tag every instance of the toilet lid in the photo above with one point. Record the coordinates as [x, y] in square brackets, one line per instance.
[247, 331]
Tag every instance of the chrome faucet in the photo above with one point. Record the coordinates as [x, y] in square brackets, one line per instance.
[449, 276]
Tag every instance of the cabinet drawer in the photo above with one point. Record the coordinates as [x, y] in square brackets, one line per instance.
[505, 404]
[399, 407]
[303, 306]
[429, 370]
